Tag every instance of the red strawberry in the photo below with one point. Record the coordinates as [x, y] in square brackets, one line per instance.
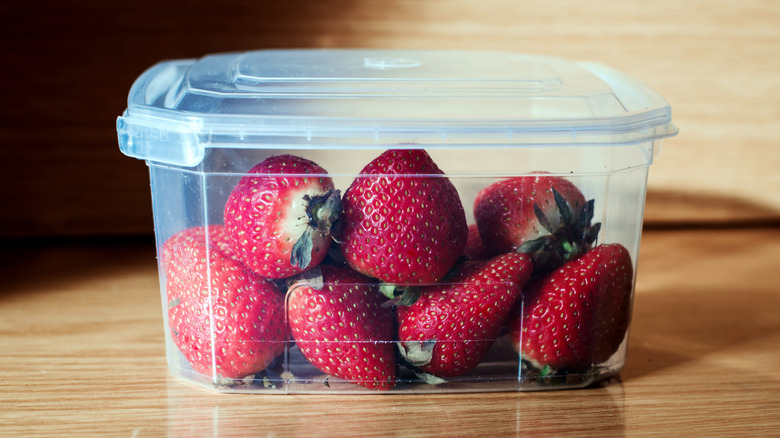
[220, 313]
[474, 249]
[546, 216]
[279, 216]
[577, 315]
[452, 325]
[342, 328]
[403, 220]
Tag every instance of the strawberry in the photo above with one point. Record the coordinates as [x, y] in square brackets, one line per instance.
[341, 327]
[475, 249]
[403, 220]
[577, 315]
[450, 328]
[279, 216]
[226, 320]
[542, 215]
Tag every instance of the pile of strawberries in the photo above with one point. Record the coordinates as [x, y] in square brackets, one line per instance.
[390, 275]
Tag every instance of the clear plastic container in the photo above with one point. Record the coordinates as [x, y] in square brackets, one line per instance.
[394, 221]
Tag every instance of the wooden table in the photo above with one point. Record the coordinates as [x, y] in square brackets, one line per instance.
[82, 354]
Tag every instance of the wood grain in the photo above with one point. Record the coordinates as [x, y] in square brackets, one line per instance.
[69, 66]
[83, 355]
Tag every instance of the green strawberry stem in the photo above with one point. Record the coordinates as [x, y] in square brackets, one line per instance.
[533, 369]
[568, 249]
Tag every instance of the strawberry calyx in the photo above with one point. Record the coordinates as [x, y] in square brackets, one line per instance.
[544, 374]
[418, 354]
[174, 302]
[399, 295]
[229, 382]
[428, 378]
[573, 238]
[537, 369]
[546, 371]
[322, 212]
[312, 278]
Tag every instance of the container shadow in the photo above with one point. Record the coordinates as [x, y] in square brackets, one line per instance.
[700, 293]
[665, 209]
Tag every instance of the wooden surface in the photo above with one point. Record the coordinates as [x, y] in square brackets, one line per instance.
[82, 354]
[69, 66]
[81, 324]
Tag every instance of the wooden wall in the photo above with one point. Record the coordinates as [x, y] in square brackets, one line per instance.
[67, 67]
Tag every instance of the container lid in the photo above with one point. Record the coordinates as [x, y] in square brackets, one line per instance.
[372, 98]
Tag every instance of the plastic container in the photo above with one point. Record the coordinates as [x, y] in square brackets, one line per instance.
[454, 139]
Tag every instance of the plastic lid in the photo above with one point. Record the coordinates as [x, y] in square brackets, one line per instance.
[370, 98]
